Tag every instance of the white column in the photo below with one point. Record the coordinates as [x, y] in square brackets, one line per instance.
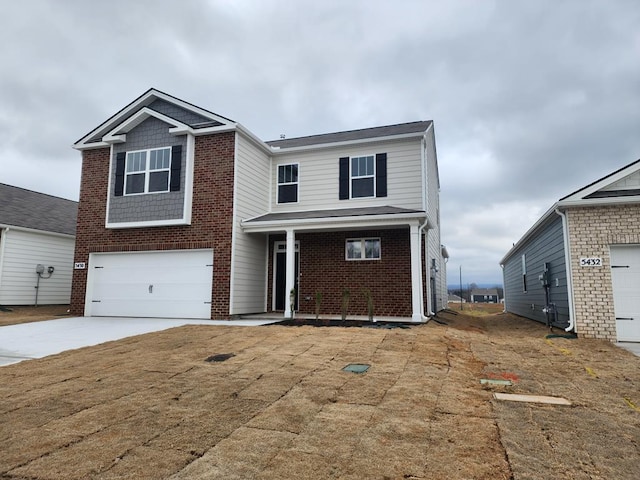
[416, 274]
[290, 268]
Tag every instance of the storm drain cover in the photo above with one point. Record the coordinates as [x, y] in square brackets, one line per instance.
[356, 367]
[220, 357]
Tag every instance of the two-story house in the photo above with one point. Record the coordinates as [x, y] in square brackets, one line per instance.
[186, 213]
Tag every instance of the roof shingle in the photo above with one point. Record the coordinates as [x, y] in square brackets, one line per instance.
[28, 209]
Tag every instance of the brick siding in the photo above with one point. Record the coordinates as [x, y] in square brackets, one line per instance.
[592, 230]
[211, 220]
[323, 268]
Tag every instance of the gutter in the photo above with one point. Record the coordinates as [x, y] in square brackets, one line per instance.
[567, 261]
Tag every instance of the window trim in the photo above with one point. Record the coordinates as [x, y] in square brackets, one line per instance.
[360, 177]
[296, 183]
[147, 171]
[524, 273]
[363, 257]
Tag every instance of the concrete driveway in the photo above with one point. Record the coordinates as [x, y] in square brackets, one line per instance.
[40, 339]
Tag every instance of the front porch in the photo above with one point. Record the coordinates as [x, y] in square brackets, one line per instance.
[375, 257]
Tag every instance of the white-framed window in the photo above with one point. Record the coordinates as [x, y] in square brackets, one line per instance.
[147, 171]
[524, 273]
[363, 176]
[362, 249]
[288, 183]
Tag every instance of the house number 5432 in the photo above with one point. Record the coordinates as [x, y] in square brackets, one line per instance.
[590, 262]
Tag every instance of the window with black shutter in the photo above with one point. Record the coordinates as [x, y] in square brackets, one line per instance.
[363, 176]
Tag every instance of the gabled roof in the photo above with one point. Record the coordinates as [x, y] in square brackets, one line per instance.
[28, 209]
[621, 184]
[353, 135]
[178, 113]
[619, 187]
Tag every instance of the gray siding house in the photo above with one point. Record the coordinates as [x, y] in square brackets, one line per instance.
[578, 266]
[484, 295]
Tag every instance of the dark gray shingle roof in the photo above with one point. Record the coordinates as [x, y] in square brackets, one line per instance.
[385, 131]
[342, 212]
[25, 208]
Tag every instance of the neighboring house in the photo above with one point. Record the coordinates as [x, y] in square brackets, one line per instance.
[35, 229]
[185, 213]
[456, 299]
[484, 295]
[578, 267]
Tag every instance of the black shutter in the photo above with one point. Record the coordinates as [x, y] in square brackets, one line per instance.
[344, 179]
[176, 165]
[120, 161]
[381, 175]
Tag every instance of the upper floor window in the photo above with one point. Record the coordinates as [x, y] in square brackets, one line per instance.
[147, 171]
[363, 176]
[288, 183]
[363, 249]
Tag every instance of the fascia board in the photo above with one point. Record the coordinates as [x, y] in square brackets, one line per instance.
[333, 222]
[34, 230]
[529, 233]
[144, 100]
[321, 146]
[595, 202]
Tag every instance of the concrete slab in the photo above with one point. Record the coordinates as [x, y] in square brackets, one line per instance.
[633, 347]
[40, 339]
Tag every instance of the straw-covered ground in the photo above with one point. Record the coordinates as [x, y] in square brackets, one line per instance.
[281, 407]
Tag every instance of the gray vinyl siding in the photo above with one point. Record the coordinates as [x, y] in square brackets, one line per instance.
[152, 133]
[547, 245]
[21, 251]
[180, 114]
[249, 276]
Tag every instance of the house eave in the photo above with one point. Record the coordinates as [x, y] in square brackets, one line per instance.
[529, 233]
[4, 226]
[320, 146]
[333, 223]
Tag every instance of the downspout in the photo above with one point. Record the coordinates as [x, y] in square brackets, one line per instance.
[567, 261]
[420, 229]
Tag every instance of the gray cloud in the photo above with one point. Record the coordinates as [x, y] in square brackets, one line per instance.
[531, 100]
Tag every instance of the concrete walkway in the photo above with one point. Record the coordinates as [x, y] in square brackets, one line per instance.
[40, 339]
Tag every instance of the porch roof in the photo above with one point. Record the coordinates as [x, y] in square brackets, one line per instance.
[334, 219]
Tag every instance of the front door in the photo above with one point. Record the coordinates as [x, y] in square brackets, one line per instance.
[280, 275]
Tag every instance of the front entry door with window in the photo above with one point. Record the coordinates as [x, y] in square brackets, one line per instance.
[280, 275]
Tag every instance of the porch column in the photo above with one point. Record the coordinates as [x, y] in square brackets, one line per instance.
[290, 269]
[416, 274]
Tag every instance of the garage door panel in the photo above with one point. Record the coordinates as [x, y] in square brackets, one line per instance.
[173, 284]
[625, 277]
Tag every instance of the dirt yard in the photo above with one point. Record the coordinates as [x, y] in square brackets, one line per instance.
[23, 314]
[281, 407]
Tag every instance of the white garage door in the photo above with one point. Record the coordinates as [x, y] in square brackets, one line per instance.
[625, 275]
[170, 284]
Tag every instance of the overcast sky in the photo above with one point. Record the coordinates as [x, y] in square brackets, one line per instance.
[531, 100]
